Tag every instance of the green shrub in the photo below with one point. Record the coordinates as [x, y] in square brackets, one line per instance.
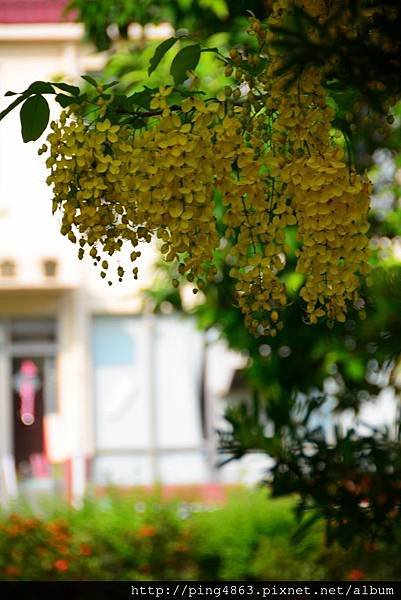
[145, 537]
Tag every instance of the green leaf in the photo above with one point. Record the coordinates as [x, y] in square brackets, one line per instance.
[34, 117]
[39, 87]
[303, 528]
[65, 100]
[90, 80]
[215, 50]
[109, 85]
[143, 97]
[160, 52]
[186, 60]
[66, 87]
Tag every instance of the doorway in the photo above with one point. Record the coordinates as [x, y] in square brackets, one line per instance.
[28, 412]
[32, 355]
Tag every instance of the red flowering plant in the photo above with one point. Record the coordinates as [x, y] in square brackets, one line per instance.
[152, 543]
[58, 554]
[108, 538]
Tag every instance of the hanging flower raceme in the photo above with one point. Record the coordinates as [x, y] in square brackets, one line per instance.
[330, 199]
[330, 202]
[265, 146]
[114, 185]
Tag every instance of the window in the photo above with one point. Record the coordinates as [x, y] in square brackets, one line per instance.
[7, 268]
[32, 330]
[50, 268]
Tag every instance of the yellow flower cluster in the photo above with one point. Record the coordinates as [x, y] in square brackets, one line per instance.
[90, 170]
[330, 200]
[253, 226]
[268, 151]
[114, 185]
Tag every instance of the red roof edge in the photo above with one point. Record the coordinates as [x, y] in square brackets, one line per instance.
[34, 11]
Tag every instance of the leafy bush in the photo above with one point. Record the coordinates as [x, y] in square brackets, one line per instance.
[228, 539]
[137, 537]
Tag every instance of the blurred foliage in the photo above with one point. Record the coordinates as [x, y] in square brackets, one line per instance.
[129, 65]
[216, 23]
[109, 538]
[358, 45]
[357, 49]
[307, 384]
[202, 18]
[140, 536]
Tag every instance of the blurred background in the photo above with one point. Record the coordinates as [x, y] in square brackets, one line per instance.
[125, 387]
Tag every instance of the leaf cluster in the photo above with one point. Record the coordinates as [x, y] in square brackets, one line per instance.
[133, 109]
[202, 17]
[35, 112]
[363, 57]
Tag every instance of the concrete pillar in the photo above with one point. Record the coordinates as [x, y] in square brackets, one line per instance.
[74, 385]
[150, 365]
